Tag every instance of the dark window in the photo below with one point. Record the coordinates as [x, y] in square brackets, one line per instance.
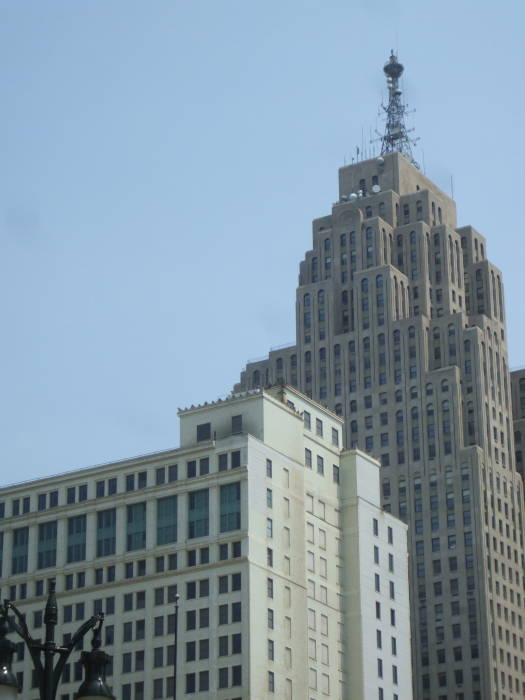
[236, 424]
[223, 645]
[190, 651]
[190, 683]
[204, 648]
[223, 677]
[223, 614]
[236, 675]
[236, 612]
[191, 619]
[204, 432]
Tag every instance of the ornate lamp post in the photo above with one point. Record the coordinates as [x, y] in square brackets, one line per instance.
[48, 673]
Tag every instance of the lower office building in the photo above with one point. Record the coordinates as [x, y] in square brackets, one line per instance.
[293, 582]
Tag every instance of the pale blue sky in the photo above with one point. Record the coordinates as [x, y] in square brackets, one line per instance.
[161, 162]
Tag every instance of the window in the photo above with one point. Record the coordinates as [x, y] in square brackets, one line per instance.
[269, 527]
[308, 458]
[271, 682]
[166, 520]
[319, 427]
[392, 617]
[106, 532]
[76, 538]
[230, 507]
[204, 466]
[136, 526]
[269, 468]
[223, 614]
[236, 612]
[47, 545]
[223, 645]
[198, 513]
[204, 432]
[236, 424]
[204, 618]
[269, 587]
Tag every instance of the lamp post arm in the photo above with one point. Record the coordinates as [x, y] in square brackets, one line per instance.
[19, 627]
[66, 650]
[22, 631]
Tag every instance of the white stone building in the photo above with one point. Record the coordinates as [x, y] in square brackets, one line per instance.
[293, 582]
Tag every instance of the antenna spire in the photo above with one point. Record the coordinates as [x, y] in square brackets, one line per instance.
[396, 136]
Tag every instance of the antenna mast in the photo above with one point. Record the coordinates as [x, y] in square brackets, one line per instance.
[396, 136]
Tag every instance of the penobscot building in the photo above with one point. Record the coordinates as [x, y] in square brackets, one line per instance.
[293, 581]
[401, 332]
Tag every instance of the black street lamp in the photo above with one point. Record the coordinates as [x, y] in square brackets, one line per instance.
[48, 673]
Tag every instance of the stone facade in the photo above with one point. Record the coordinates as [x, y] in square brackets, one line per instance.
[401, 331]
[288, 570]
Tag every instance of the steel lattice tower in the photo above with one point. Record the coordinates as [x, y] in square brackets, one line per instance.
[396, 136]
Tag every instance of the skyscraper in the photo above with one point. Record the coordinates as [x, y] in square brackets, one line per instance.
[401, 331]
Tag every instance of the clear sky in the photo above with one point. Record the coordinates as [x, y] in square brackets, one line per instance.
[161, 163]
